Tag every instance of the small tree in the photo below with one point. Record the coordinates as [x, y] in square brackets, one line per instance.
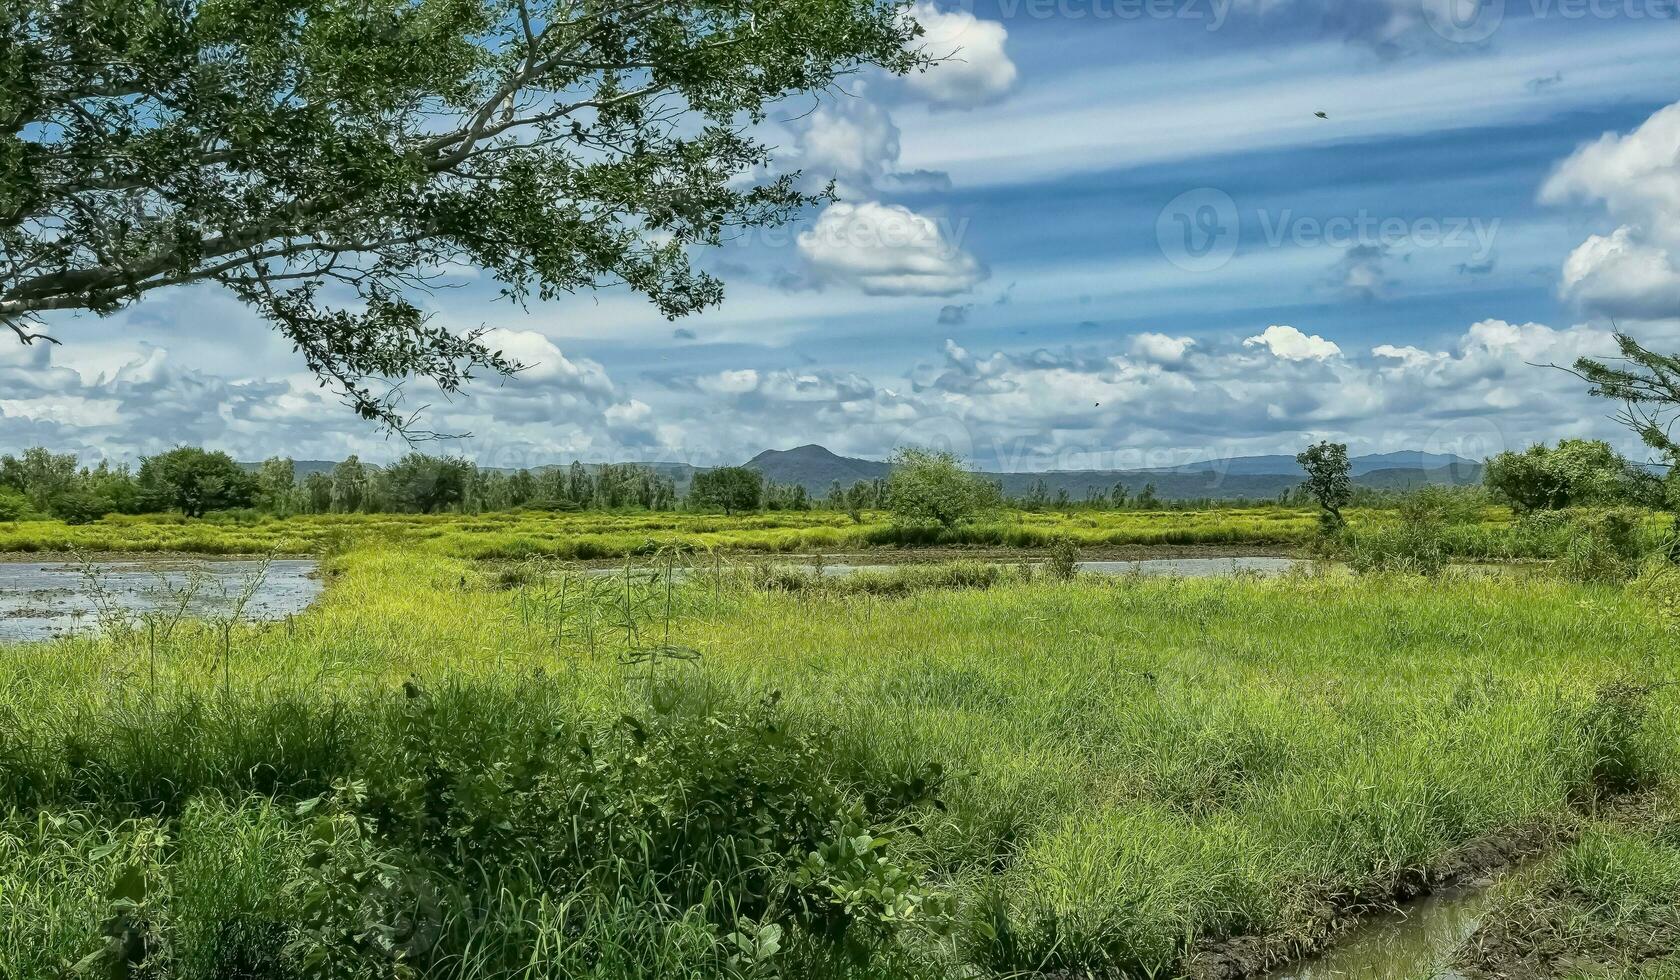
[276, 478]
[1329, 480]
[40, 475]
[729, 489]
[14, 506]
[194, 482]
[927, 487]
[349, 486]
[427, 484]
[1577, 473]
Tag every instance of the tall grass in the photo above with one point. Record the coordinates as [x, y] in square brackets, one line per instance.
[455, 771]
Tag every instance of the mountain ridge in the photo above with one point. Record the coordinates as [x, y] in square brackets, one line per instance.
[817, 468]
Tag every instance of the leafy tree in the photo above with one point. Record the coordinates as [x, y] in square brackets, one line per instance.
[318, 493]
[276, 478]
[1577, 473]
[929, 487]
[1330, 481]
[349, 486]
[14, 506]
[728, 488]
[521, 488]
[194, 482]
[427, 484]
[111, 489]
[40, 475]
[323, 159]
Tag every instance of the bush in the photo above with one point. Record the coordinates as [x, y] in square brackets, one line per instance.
[1604, 546]
[1412, 548]
[14, 506]
[933, 489]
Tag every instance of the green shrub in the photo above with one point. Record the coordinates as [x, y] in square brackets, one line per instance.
[14, 506]
[1604, 546]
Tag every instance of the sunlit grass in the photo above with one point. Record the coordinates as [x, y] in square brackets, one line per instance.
[1135, 763]
[1496, 535]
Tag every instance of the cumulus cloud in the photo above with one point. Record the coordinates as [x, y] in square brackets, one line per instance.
[1633, 271]
[1289, 344]
[1156, 348]
[1619, 276]
[547, 368]
[972, 67]
[1636, 177]
[850, 140]
[888, 250]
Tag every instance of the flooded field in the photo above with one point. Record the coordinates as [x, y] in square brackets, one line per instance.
[43, 600]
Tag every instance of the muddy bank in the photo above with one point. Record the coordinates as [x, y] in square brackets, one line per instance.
[1553, 930]
[1471, 867]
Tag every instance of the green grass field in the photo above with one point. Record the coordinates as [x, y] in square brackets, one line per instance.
[1494, 535]
[446, 769]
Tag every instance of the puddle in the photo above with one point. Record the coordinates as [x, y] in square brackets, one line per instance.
[1412, 944]
[43, 600]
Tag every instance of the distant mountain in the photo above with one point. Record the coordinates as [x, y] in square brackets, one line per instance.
[1242, 478]
[1286, 466]
[814, 468]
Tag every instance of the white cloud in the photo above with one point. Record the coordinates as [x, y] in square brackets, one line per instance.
[1636, 177]
[1619, 276]
[1290, 344]
[547, 367]
[887, 250]
[972, 68]
[729, 382]
[1632, 272]
[1156, 348]
[849, 139]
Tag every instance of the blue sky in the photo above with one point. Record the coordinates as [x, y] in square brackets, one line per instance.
[1100, 233]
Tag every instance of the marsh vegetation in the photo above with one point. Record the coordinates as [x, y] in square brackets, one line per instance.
[451, 768]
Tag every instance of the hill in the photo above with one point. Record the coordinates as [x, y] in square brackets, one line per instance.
[1243, 478]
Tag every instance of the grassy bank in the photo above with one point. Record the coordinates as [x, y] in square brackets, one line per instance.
[1492, 535]
[1607, 907]
[458, 773]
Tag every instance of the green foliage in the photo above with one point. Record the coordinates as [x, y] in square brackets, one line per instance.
[1578, 473]
[1604, 546]
[39, 475]
[280, 151]
[1329, 482]
[731, 489]
[194, 482]
[422, 484]
[926, 487]
[14, 506]
[1647, 383]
